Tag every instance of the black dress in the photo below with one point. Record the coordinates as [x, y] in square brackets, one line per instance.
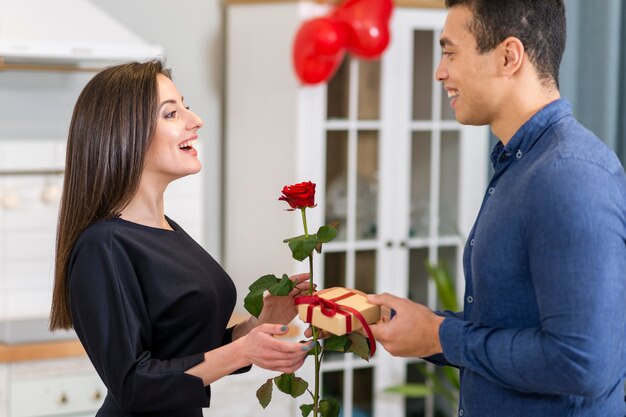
[146, 304]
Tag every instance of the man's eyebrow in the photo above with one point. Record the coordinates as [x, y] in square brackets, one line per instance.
[443, 42]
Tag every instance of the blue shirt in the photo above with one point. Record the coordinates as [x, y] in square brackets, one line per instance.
[543, 331]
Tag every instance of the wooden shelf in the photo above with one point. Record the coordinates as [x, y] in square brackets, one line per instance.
[40, 351]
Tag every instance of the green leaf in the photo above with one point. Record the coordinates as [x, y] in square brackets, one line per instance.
[329, 408]
[453, 376]
[306, 409]
[326, 233]
[445, 286]
[359, 345]
[282, 287]
[291, 384]
[411, 390]
[263, 283]
[264, 393]
[302, 246]
[337, 343]
[253, 302]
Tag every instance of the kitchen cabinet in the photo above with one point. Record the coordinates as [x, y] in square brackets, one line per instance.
[59, 387]
[391, 164]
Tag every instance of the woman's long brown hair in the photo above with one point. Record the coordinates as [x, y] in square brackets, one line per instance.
[111, 129]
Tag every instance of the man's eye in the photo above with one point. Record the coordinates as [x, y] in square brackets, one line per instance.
[187, 107]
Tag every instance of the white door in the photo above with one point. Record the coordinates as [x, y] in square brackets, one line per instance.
[405, 180]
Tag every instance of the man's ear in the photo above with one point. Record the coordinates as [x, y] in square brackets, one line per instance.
[512, 50]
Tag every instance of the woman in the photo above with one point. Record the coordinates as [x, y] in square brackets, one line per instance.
[149, 305]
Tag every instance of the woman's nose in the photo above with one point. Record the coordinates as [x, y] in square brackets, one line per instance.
[195, 121]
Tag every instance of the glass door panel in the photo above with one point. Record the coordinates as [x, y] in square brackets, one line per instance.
[365, 271]
[420, 184]
[363, 392]
[447, 258]
[337, 180]
[369, 90]
[422, 74]
[334, 269]
[367, 184]
[415, 407]
[332, 386]
[447, 113]
[338, 93]
[449, 183]
[418, 276]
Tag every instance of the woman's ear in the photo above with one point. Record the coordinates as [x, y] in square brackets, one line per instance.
[512, 50]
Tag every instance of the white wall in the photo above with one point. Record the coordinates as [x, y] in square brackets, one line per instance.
[190, 32]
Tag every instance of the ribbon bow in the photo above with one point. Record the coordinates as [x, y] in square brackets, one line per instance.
[330, 308]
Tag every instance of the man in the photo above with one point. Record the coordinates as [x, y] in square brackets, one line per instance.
[543, 331]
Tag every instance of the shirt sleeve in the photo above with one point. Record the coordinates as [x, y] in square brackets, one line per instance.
[576, 243]
[112, 321]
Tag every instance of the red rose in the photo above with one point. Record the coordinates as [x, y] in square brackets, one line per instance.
[299, 195]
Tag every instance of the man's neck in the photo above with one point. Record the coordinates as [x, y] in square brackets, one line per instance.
[519, 110]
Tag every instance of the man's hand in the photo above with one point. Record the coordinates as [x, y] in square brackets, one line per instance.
[412, 332]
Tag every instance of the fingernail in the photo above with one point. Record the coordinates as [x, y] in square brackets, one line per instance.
[283, 329]
[306, 347]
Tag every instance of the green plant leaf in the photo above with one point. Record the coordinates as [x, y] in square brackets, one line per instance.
[359, 345]
[302, 246]
[306, 409]
[329, 408]
[253, 302]
[445, 286]
[336, 343]
[282, 287]
[453, 376]
[326, 233]
[263, 283]
[291, 384]
[411, 390]
[264, 393]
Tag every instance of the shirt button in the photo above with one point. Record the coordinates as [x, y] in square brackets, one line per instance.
[470, 299]
[461, 412]
[519, 154]
[491, 190]
[472, 242]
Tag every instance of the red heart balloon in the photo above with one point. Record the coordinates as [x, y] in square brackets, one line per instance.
[318, 49]
[367, 25]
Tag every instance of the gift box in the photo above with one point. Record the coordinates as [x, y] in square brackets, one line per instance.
[337, 310]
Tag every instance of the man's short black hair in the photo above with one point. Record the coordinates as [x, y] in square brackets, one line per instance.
[539, 24]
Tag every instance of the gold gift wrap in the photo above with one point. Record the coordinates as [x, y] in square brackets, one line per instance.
[337, 324]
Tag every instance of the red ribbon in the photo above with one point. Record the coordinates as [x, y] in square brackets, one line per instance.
[330, 308]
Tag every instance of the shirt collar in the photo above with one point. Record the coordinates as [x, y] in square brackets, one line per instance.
[528, 134]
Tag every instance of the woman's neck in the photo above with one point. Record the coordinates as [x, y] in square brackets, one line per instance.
[146, 208]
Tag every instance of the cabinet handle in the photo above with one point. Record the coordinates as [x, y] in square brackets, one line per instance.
[97, 395]
[63, 399]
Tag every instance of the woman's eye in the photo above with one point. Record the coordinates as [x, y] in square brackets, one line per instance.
[170, 115]
[187, 107]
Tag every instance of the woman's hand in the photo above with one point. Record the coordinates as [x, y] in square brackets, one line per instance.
[260, 347]
[281, 310]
